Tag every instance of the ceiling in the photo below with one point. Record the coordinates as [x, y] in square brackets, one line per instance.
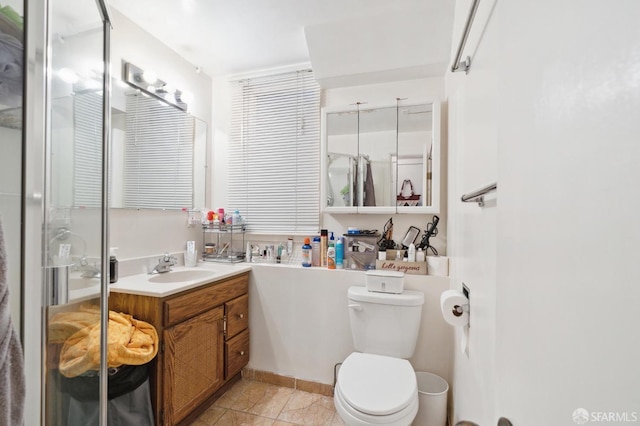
[238, 36]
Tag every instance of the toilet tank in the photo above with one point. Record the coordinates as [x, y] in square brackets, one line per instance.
[384, 323]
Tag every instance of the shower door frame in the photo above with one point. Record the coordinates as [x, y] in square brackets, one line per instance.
[36, 136]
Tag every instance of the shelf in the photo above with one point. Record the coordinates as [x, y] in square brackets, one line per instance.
[233, 258]
[224, 228]
[224, 242]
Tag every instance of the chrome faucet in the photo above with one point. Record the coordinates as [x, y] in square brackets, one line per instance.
[164, 264]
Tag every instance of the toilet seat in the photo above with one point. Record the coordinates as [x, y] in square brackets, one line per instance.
[377, 389]
[352, 417]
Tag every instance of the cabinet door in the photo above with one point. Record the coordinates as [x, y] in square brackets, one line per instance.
[193, 363]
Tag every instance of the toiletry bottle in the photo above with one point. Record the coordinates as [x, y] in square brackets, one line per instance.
[306, 253]
[398, 255]
[324, 245]
[113, 266]
[382, 254]
[411, 255]
[331, 257]
[340, 254]
[420, 256]
[316, 258]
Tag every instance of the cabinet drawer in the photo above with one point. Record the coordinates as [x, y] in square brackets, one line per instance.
[183, 307]
[237, 311]
[236, 353]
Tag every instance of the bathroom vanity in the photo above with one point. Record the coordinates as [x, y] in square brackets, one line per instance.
[204, 341]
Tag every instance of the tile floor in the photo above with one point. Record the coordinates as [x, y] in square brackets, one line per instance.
[250, 402]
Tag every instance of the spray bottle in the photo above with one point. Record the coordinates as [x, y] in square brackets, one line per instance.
[324, 245]
[340, 253]
[331, 256]
[316, 257]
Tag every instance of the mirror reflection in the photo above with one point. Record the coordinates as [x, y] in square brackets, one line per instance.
[342, 158]
[380, 156]
[158, 152]
[412, 164]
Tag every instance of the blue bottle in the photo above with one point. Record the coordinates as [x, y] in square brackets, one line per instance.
[306, 253]
[340, 253]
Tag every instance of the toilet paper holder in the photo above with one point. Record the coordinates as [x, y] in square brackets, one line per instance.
[458, 310]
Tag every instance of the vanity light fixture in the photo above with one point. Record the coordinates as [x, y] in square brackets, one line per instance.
[148, 83]
[150, 77]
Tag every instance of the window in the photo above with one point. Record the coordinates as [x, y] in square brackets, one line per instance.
[274, 153]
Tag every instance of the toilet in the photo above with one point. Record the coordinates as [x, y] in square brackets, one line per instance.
[377, 385]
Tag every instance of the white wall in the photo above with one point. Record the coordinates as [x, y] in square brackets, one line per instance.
[550, 108]
[299, 321]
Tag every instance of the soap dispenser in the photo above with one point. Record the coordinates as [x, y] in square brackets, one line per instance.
[113, 266]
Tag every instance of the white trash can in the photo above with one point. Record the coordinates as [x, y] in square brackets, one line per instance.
[432, 395]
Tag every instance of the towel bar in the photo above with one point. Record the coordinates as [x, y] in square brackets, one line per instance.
[478, 195]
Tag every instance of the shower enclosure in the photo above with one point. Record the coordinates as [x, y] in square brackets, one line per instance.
[64, 225]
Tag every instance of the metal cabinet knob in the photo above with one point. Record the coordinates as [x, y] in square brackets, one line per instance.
[241, 353]
[240, 316]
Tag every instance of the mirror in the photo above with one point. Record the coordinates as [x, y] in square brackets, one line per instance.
[377, 134]
[341, 159]
[158, 155]
[158, 152]
[381, 159]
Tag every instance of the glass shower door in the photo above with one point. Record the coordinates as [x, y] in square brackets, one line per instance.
[73, 231]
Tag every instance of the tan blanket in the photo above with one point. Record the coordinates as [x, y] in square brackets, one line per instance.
[130, 341]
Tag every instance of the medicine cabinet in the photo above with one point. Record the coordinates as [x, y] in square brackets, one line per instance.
[381, 159]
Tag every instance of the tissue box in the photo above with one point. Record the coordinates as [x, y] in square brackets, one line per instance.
[385, 281]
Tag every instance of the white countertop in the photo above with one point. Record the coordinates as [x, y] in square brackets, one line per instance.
[140, 284]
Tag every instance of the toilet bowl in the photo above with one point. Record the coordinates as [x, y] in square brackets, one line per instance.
[376, 385]
[376, 390]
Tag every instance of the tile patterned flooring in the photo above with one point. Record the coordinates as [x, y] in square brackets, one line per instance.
[250, 402]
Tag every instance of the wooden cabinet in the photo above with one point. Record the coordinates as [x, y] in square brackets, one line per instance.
[236, 347]
[204, 343]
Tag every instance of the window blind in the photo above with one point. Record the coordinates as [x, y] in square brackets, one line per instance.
[158, 155]
[87, 149]
[274, 153]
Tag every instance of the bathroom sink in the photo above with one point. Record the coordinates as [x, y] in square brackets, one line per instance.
[185, 275]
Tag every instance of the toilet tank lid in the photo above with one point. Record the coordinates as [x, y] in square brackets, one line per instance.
[406, 298]
[381, 273]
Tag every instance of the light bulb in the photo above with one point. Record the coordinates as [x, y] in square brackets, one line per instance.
[169, 88]
[187, 97]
